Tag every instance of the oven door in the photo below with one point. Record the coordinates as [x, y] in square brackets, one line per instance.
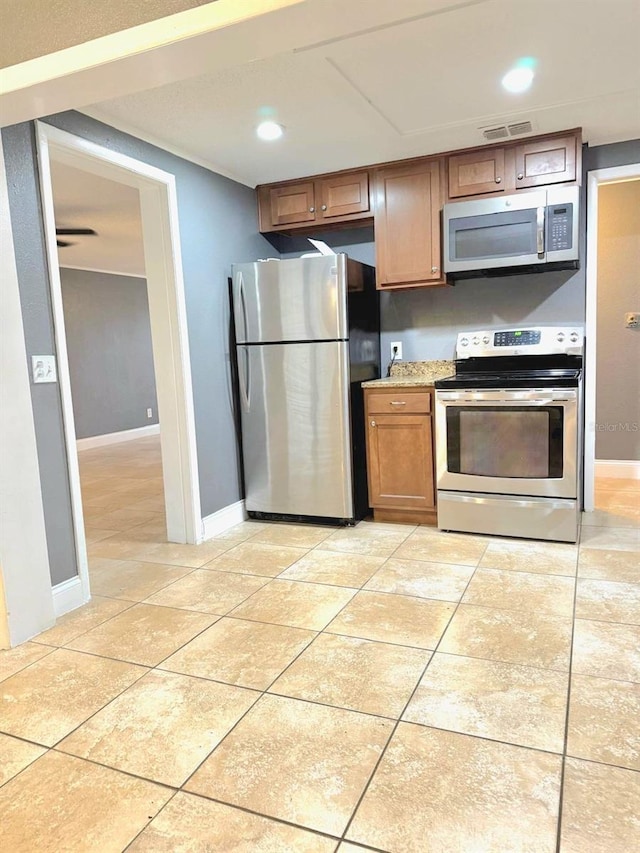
[508, 442]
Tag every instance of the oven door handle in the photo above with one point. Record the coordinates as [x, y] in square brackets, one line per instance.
[540, 397]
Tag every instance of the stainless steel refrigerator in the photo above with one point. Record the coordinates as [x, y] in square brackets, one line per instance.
[307, 333]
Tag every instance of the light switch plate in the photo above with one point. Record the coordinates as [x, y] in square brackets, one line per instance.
[43, 368]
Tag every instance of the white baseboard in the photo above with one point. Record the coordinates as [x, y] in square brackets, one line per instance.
[117, 437]
[67, 596]
[627, 468]
[223, 519]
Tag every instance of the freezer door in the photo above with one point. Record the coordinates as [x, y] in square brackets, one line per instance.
[300, 299]
[296, 429]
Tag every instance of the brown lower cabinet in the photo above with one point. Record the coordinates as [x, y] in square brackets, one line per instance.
[400, 458]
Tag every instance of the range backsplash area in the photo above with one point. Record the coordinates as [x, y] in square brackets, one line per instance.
[427, 320]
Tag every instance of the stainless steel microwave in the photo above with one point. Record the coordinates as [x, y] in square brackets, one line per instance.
[525, 232]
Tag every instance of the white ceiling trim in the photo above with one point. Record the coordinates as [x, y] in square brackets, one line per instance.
[135, 40]
[455, 7]
[103, 272]
[345, 77]
[126, 127]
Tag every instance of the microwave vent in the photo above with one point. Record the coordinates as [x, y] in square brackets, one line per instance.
[493, 133]
[519, 128]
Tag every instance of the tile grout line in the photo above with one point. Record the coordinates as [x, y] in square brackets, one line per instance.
[144, 828]
[567, 716]
[404, 710]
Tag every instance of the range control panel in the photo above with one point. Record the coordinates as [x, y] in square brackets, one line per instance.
[543, 340]
[516, 338]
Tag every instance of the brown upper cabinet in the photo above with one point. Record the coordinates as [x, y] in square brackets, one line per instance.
[546, 161]
[404, 199]
[477, 172]
[408, 200]
[553, 159]
[324, 200]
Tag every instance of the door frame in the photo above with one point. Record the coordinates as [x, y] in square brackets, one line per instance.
[167, 311]
[595, 178]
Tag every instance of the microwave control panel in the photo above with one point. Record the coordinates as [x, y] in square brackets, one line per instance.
[559, 227]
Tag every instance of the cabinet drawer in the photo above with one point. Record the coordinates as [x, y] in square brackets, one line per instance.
[400, 403]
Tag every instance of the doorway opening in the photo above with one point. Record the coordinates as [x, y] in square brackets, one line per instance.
[169, 460]
[612, 382]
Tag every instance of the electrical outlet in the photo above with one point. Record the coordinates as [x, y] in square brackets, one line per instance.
[396, 350]
[632, 320]
[149, 413]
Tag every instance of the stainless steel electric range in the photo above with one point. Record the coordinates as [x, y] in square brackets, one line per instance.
[509, 434]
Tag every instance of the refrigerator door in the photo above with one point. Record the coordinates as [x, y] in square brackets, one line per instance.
[296, 429]
[300, 299]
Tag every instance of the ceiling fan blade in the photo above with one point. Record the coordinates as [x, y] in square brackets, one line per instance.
[62, 243]
[76, 231]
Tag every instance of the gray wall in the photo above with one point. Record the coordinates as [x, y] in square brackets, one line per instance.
[110, 357]
[427, 320]
[218, 226]
[28, 237]
[618, 353]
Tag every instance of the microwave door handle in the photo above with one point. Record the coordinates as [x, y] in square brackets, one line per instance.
[540, 230]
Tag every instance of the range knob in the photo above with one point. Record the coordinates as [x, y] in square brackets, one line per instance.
[464, 342]
[560, 337]
[476, 341]
[573, 337]
[486, 340]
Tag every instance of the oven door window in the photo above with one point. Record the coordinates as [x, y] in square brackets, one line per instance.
[521, 442]
[493, 235]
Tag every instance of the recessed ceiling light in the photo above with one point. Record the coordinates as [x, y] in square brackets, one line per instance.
[520, 77]
[269, 130]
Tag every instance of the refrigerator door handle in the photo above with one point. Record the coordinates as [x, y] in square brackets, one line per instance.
[242, 298]
[244, 377]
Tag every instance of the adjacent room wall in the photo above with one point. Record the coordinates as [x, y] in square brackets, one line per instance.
[218, 226]
[618, 353]
[33, 283]
[108, 330]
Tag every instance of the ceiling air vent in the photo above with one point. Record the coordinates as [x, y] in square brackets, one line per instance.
[493, 133]
[519, 128]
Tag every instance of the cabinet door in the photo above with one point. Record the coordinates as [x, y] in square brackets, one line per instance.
[548, 161]
[400, 462]
[407, 224]
[343, 195]
[292, 203]
[476, 173]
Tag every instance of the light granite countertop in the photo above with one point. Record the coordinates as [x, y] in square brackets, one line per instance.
[408, 374]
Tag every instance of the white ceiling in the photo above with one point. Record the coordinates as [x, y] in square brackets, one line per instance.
[386, 91]
[83, 200]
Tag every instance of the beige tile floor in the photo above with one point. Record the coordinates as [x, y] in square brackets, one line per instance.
[289, 688]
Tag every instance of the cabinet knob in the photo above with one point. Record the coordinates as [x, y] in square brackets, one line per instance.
[372, 423]
[434, 269]
[520, 176]
[324, 207]
[498, 180]
[312, 210]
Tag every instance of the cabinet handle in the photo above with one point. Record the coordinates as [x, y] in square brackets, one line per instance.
[312, 210]
[520, 176]
[434, 269]
[498, 180]
[324, 207]
[372, 423]
[398, 402]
